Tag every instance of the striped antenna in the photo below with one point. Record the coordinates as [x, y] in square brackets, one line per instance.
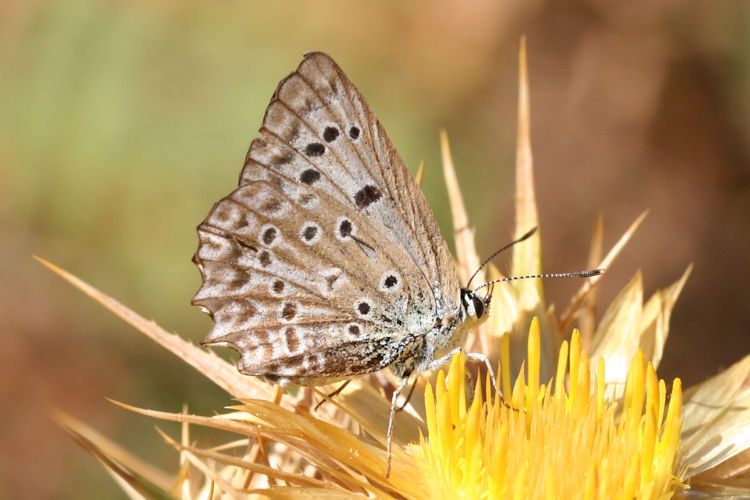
[578, 274]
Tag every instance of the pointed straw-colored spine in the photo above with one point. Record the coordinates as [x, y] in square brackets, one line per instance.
[526, 256]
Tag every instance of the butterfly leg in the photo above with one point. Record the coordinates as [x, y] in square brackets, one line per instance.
[389, 435]
[408, 396]
[334, 393]
[481, 357]
[471, 355]
[476, 356]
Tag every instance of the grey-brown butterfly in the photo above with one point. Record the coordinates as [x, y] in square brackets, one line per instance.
[327, 262]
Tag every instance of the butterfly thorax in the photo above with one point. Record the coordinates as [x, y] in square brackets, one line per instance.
[448, 333]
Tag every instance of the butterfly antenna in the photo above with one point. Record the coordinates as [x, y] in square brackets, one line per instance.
[579, 274]
[488, 259]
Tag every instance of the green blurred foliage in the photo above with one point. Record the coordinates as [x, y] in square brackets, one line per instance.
[121, 123]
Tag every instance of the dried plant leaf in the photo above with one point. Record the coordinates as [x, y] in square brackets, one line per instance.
[348, 459]
[420, 174]
[567, 318]
[370, 409]
[331, 448]
[127, 488]
[290, 493]
[527, 256]
[292, 478]
[587, 314]
[206, 362]
[215, 478]
[654, 322]
[716, 415]
[624, 239]
[137, 478]
[616, 338]
[732, 476]
[223, 422]
[466, 252]
[597, 243]
[503, 312]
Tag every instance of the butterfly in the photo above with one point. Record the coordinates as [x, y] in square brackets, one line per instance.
[326, 262]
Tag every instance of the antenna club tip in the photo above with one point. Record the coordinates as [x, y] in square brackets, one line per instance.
[593, 272]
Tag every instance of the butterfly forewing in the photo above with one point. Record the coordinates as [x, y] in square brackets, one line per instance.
[367, 155]
[326, 262]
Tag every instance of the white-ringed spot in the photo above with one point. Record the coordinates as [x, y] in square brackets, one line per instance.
[269, 234]
[344, 229]
[363, 307]
[354, 329]
[390, 281]
[310, 233]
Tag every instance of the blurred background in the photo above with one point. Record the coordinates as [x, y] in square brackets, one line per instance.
[122, 122]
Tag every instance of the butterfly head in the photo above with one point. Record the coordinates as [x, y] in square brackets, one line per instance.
[475, 307]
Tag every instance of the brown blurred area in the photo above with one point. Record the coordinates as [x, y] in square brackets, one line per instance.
[122, 122]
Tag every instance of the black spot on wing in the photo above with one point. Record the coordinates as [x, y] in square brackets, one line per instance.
[314, 149]
[269, 235]
[330, 134]
[367, 196]
[390, 281]
[310, 232]
[265, 259]
[345, 228]
[309, 176]
[289, 311]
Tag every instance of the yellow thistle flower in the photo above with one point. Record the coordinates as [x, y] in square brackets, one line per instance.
[549, 442]
[602, 427]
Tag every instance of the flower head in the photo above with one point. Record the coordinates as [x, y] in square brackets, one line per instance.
[547, 441]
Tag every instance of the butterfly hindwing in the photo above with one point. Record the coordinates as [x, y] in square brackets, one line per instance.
[273, 302]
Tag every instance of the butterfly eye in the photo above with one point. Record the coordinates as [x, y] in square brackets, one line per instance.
[473, 305]
[478, 306]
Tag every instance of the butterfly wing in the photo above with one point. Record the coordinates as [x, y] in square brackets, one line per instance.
[326, 262]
